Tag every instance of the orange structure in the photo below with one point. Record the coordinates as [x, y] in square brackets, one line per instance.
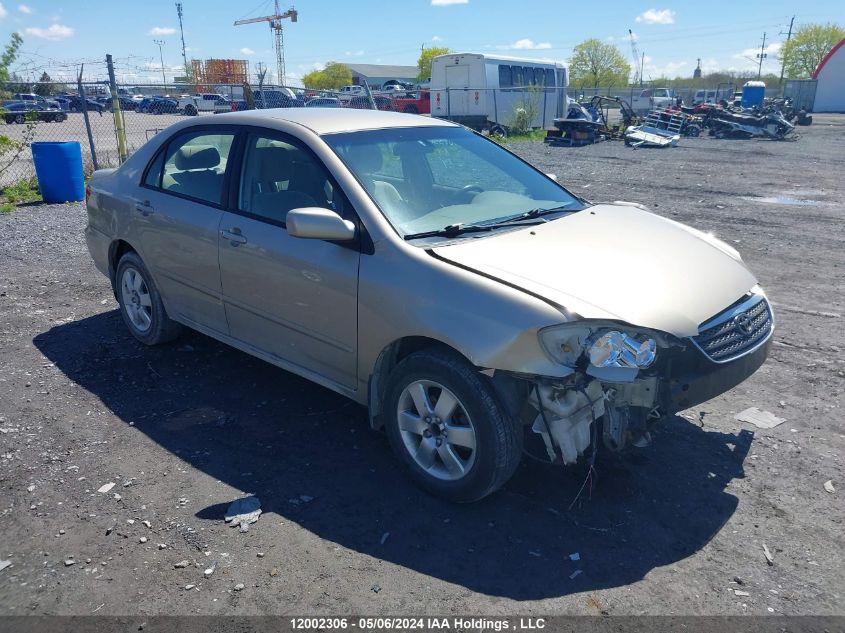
[219, 71]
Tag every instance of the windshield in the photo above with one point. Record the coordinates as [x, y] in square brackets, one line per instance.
[428, 178]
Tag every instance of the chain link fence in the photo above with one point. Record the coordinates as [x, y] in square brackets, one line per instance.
[82, 112]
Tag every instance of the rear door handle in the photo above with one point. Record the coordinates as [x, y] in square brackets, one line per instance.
[145, 208]
[234, 236]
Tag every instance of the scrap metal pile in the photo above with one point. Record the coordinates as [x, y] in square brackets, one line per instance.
[588, 123]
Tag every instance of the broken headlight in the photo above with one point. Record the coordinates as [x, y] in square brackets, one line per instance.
[616, 349]
[603, 347]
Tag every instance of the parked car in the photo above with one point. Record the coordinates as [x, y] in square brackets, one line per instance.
[43, 102]
[277, 98]
[323, 102]
[17, 111]
[75, 104]
[157, 105]
[413, 103]
[235, 105]
[351, 91]
[192, 105]
[652, 99]
[420, 269]
[363, 103]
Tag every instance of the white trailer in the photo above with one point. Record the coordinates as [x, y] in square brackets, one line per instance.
[485, 92]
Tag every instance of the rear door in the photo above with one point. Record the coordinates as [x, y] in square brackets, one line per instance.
[457, 81]
[176, 219]
[293, 299]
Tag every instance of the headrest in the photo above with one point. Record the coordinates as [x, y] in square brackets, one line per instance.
[197, 157]
[365, 159]
[272, 164]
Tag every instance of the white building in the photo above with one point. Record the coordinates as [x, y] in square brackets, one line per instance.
[830, 78]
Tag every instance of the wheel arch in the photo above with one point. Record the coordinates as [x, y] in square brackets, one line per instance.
[117, 249]
[510, 390]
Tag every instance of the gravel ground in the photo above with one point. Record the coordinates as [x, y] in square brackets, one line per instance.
[183, 430]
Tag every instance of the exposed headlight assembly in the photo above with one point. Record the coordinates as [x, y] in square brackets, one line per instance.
[603, 347]
[617, 349]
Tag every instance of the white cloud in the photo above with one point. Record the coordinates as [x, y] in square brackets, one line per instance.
[25, 9]
[4, 13]
[354, 53]
[436, 38]
[525, 45]
[446, 3]
[247, 51]
[161, 30]
[657, 16]
[54, 32]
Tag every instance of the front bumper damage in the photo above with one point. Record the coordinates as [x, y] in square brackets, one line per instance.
[571, 415]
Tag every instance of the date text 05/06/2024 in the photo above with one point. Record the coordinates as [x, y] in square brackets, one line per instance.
[417, 624]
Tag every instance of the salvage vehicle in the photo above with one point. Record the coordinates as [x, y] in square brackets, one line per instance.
[467, 299]
[746, 124]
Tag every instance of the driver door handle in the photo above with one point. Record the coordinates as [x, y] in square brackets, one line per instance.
[234, 236]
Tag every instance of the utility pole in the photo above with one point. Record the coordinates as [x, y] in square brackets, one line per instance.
[761, 56]
[182, 32]
[783, 59]
[161, 56]
[119, 129]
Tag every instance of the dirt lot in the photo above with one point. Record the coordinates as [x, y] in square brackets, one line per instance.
[185, 429]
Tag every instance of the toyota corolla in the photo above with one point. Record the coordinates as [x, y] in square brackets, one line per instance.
[467, 299]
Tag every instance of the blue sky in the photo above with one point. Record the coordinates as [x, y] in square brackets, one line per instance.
[59, 34]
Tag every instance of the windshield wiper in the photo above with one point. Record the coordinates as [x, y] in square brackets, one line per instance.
[532, 213]
[453, 230]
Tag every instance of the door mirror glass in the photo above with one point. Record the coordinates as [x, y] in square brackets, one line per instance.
[319, 224]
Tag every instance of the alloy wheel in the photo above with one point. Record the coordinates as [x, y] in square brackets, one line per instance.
[436, 430]
[136, 299]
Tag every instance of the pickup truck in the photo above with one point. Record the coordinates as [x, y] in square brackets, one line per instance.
[192, 105]
[413, 102]
[652, 98]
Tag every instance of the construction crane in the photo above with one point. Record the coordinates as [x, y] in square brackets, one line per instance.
[639, 61]
[275, 21]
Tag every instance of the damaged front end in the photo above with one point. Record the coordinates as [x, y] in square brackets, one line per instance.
[625, 379]
[616, 389]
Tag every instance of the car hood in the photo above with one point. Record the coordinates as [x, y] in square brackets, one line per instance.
[615, 261]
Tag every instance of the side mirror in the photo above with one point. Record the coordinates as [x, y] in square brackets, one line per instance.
[552, 177]
[319, 224]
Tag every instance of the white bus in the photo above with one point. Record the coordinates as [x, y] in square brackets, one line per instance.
[484, 92]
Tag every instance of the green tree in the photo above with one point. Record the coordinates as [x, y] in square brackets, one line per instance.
[10, 54]
[332, 77]
[807, 47]
[594, 63]
[45, 86]
[424, 62]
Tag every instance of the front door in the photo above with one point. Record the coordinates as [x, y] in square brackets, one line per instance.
[294, 299]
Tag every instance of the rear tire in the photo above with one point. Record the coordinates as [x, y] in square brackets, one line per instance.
[190, 110]
[140, 303]
[20, 119]
[499, 131]
[446, 425]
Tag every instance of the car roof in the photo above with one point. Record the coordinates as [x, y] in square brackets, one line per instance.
[333, 120]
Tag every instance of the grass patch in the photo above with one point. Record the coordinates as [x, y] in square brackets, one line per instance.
[534, 135]
[25, 190]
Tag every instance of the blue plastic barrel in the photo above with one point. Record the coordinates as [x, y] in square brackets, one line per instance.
[753, 93]
[58, 166]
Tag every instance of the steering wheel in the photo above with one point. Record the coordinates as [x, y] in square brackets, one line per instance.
[468, 190]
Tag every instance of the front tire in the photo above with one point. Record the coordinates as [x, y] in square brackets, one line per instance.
[140, 303]
[445, 423]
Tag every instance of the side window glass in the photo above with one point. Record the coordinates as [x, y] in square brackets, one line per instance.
[195, 165]
[153, 178]
[505, 77]
[517, 75]
[278, 176]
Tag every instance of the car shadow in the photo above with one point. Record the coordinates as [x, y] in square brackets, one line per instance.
[310, 457]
